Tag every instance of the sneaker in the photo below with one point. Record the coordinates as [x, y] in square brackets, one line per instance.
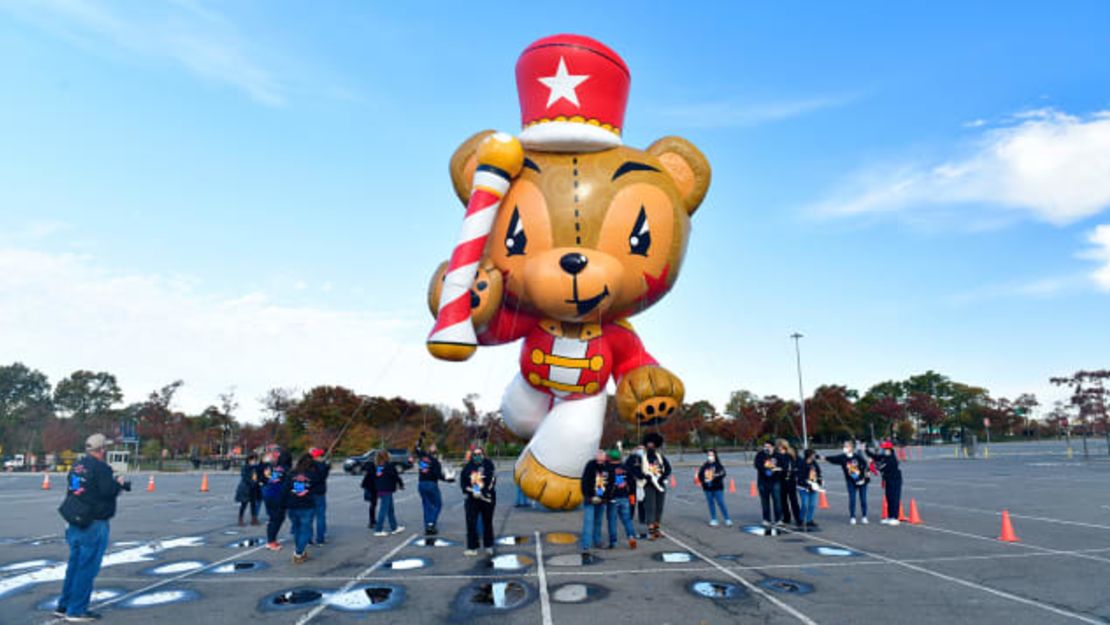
[87, 617]
[400, 528]
[865, 520]
[774, 531]
[632, 543]
[381, 533]
[489, 551]
[299, 558]
[60, 612]
[470, 553]
[852, 521]
[274, 546]
[713, 523]
[894, 523]
[728, 522]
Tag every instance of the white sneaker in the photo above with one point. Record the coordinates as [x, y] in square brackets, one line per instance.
[894, 523]
[852, 521]
[401, 528]
[713, 523]
[470, 553]
[381, 534]
[865, 520]
[728, 522]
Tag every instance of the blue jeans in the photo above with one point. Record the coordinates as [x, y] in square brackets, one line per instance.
[301, 520]
[432, 501]
[385, 508]
[716, 497]
[808, 501]
[862, 491]
[591, 525]
[319, 517]
[86, 550]
[619, 508]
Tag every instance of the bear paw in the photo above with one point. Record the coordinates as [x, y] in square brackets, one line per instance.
[545, 486]
[649, 395]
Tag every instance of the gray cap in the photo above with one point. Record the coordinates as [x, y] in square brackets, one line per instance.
[96, 442]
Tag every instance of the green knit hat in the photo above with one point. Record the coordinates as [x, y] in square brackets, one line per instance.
[615, 454]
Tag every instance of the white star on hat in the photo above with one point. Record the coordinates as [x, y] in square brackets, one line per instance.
[562, 84]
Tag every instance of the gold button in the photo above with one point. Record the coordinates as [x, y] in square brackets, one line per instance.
[537, 356]
[596, 363]
[591, 388]
[534, 378]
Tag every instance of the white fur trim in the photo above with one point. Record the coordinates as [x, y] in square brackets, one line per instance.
[568, 137]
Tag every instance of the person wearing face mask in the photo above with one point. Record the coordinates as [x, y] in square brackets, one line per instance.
[478, 481]
[854, 466]
[620, 503]
[790, 508]
[273, 473]
[656, 470]
[431, 474]
[596, 491]
[248, 494]
[635, 463]
[768, 466]
[711, 476]
[887, 463]
[809, 484]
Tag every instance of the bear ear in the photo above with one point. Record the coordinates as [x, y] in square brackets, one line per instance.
[687, 166]
[463, 163]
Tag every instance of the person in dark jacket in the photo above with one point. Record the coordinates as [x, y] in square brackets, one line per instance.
[300, 504]
[854, 466]
[370, 494]
[656, 470]
[622, 496]
[790, 509]
[769, 470]
[248, 493]
[809, 485]
[386, 483]
[635, 464]
[90, 501]
[595, 500]
[430, 474]
[273, 473]
[711, 476]
[321, 469]
[478, 482]
[887, 463]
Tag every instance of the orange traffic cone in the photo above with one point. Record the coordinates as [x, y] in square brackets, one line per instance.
[46, 481]
[823, 501]
[886, 513]
[915, 518]
[150, 485]
[731, 485]
[902, 513]
[204, 483]
[1008, 535]
[752, 491]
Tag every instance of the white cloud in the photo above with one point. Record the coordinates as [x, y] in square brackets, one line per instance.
[1039, 288]
[1100, 238]
[1049, 165]
[62, 312]
[199, 39]
[737, 113]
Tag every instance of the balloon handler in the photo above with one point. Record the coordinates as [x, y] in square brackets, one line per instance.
[567, 234]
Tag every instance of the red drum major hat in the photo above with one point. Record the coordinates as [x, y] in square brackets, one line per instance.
[573, 93]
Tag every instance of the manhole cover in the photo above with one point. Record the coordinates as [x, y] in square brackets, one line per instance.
[674, 557]
[577, 593]
[434, 542]
[103, 594]
[561, 538]
[160, 597]
[833, 552]
[292, 599]
[173, 568]
[573, 559]
[405, 564]
[788, 586]
[509, 562]
[716, 590]
[514, 540]
[247, 542]
[239, 566]
[497, 596]
[367, 598]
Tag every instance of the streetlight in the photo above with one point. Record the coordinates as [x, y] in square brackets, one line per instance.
[801, 394]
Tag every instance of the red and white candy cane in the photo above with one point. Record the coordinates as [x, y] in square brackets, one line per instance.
[500, 158]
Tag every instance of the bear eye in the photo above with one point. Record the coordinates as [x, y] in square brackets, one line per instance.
[515, 240]
[639, 241]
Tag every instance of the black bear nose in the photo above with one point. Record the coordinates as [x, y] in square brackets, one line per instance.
[573, 263]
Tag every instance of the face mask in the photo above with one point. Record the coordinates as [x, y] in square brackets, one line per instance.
[710, 457]
[847, 450]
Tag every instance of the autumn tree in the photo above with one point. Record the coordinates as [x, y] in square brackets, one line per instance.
[85, 394]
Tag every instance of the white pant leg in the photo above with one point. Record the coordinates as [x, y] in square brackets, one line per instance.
[523, 407]
[568, 438]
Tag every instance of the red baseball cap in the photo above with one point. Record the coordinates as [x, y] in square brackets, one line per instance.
[886, 445]
[316, 452]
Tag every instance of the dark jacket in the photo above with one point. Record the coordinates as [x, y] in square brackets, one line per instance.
[595, 482]
[298, 493]
[273, 480]
[369, 492]
[854, 467]
[789, 469]
[620, 480]
[429, 469]
[887, 464]
[386, 479]
[248, 488]
[320, 472]
[90, 481]
[712, 476]
[770, 467]
[803, 474]
[655, 458]
[480, 479]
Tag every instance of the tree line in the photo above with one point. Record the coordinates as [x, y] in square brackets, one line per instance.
[37, 417]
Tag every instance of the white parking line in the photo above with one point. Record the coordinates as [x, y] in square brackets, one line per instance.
[1023, 516]
[545, 601]
[360, 577]
[750, 586]
[1074, 554]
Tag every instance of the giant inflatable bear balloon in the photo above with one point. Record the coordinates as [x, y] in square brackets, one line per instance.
[567, 234]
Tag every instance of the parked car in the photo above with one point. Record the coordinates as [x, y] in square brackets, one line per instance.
[399, 458]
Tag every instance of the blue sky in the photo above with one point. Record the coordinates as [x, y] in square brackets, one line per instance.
[254, 194]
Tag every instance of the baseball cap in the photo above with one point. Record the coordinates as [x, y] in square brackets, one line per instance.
[316, 452]
[96, 441]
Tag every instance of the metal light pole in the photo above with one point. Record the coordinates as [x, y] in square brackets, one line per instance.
[801, 394]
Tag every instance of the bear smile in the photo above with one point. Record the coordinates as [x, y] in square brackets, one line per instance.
[584, 306]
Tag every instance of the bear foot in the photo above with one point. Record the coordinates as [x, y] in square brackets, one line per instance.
[539, 483]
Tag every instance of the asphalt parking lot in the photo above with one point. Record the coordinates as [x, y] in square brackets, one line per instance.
[179, 558]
